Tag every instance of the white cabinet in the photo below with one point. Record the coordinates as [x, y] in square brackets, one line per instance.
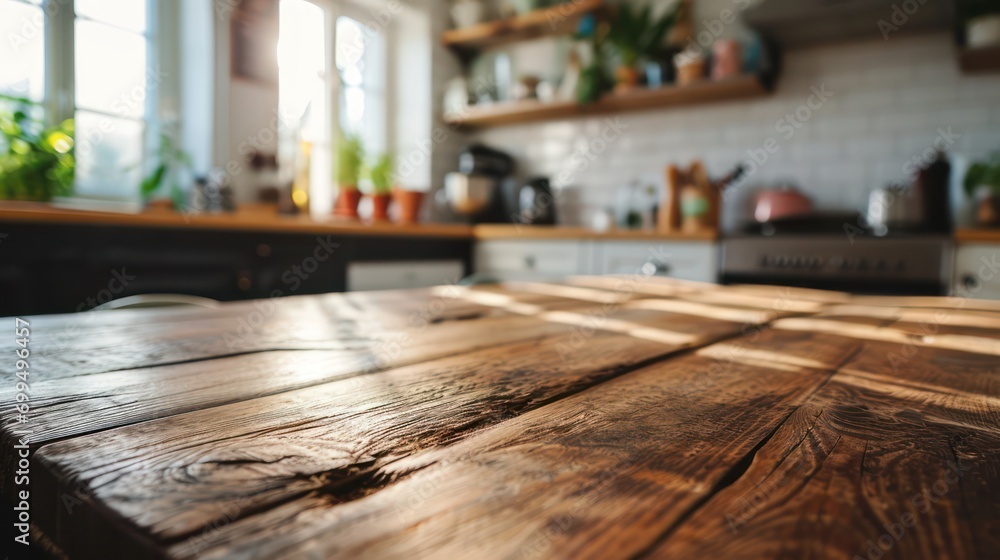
[509, 259]
[977, 271]
[694, 260]
[370, 276]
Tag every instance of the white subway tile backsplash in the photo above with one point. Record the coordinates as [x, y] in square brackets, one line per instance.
[890, 98]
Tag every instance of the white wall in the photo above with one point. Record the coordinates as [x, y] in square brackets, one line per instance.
[889, 101]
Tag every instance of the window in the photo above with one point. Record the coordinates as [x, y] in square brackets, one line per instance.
[320, 94]
[22, 49]
[91, 60]
[304, 91]
[361, 66]
[114, 93]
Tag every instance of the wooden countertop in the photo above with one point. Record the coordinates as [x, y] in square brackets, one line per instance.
[244, 220]
[511, 231]
[268, 220]
[602, 417]
[978, 235]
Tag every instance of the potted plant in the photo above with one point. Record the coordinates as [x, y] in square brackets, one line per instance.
[381, 176]
[593, 81]
[637, 35]
[36, 163]
[172, 161]
[350, 161]
[409, 204]
[984, 176]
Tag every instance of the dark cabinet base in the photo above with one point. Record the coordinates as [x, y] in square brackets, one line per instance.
[63, 269]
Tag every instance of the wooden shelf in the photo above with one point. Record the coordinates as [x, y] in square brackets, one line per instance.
[557, 20]
[986, 59]
[978, 235]
[502, 114]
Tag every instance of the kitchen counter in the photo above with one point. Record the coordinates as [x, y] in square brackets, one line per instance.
[244, 220]
[968, 235]
[511, 231]
[600, 417]
[268, 221]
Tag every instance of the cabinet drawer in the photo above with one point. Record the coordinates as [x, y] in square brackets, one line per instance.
[526, 259]
[687, 261]
[369, 276]
[977, 271]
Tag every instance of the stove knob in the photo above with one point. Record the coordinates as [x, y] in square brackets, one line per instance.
[900, 266]
[881, 265]
[863, 265]
[816, 264]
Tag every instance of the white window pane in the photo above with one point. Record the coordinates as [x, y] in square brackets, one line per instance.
[130, 14]
[108, 155]
[111, 70]
[22, 50]
[302, 68]
[350, 43]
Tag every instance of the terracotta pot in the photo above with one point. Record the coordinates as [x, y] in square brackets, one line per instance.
[988, 211]
[409, 203]
[347, 202]
[380, 207]
[727, 59]
[628, 78]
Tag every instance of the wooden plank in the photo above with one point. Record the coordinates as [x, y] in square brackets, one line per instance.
[99, 342]
[859, 472]
[170, 477]
[532, 110]
[557, 20]
[600, 474]
[119, 398]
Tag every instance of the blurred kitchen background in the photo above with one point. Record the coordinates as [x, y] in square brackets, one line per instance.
[211, 150]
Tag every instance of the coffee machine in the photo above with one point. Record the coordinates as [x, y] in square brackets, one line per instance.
[475, 191]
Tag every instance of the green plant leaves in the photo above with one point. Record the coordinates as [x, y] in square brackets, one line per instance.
[350, 160]
[36, 163]
[984, 173]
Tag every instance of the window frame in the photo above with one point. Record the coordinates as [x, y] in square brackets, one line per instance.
[59, 100]
[360, 10]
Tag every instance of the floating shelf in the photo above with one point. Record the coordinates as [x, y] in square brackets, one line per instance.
[557, 20]
[985, 59]
[502, 114]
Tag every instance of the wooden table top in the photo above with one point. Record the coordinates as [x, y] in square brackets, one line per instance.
[611, 417]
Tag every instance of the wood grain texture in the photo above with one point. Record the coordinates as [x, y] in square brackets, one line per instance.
[592, 418]
[335, 436]
[599, 474]
[860, 471]
[122, 397]
[98, 342]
